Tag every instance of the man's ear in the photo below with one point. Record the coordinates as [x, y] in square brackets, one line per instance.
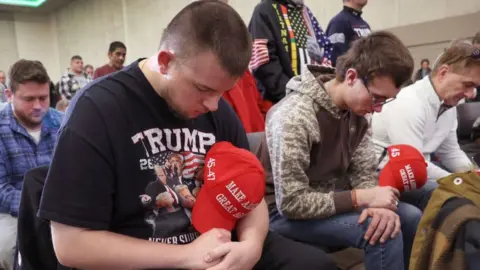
[164, 59]
[351, 76]
[442, 72]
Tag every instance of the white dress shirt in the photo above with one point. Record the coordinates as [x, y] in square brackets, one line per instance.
[413, 118]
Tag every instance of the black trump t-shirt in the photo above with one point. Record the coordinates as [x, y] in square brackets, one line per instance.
[125, 163]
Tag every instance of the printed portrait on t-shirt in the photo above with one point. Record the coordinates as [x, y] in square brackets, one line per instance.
[192, 164]
[167, 197]
[169, 161]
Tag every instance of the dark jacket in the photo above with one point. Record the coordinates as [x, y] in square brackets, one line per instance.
[274, 48]
[347, 26]
[419, 75]
[448, 236]
[34, 239]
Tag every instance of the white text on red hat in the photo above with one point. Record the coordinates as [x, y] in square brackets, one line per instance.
[408, 178]
[211, 174]
[395, 152]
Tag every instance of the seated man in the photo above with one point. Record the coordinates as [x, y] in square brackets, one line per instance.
[28, 131]
[322, 165]
[103, 192]
[424, 114]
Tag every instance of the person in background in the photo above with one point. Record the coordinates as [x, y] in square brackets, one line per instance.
[54, 94]
[168, 105]
[28, 131]
[424, 113]
[3, 77]
[286, 36]
[74, 78]
[89, 71]
[323, 186]
[347, 26]
[425, 70]
[117, 52]
[3, 86]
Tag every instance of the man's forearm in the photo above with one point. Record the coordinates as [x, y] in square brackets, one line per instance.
[254, 226]
[87, 249]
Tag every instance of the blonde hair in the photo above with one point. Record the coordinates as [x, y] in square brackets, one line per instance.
[459, 56]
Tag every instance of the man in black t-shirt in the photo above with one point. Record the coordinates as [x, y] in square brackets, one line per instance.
[110, 209]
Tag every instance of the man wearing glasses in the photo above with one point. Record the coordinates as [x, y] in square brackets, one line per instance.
[423, 115]
[322, 184]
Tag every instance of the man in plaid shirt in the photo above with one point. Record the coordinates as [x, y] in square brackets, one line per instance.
[73, 79]
[28, 131]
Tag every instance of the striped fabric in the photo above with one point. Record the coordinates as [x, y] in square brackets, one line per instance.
[321, 37]
[293, 41]
[297, 25]
[259, 54]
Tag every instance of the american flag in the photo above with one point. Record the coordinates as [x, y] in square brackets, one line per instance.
[322, 38]
[160, 158]
[191, 162]
[259, 54]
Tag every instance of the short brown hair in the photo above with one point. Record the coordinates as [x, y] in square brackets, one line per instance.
[476, 39]
[76, 57]
[24, 71]
[459, 55]
[378, 54]
[210, 26]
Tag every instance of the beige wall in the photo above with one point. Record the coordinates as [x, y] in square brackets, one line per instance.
[428, 39]
[8, 41]
[36, 39]
[86, 27]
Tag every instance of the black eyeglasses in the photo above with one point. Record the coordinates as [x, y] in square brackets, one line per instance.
[376, 100]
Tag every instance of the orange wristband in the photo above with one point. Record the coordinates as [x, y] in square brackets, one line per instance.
[354, 198]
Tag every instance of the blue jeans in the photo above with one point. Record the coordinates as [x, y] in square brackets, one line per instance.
[420, 197]
[343, 230]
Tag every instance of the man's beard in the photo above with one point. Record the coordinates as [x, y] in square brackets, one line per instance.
[28, 122]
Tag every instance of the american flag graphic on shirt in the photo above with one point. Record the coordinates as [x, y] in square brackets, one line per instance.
[191, 163]
[161, 158]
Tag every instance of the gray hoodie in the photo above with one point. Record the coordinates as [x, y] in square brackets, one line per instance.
[315, 153]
